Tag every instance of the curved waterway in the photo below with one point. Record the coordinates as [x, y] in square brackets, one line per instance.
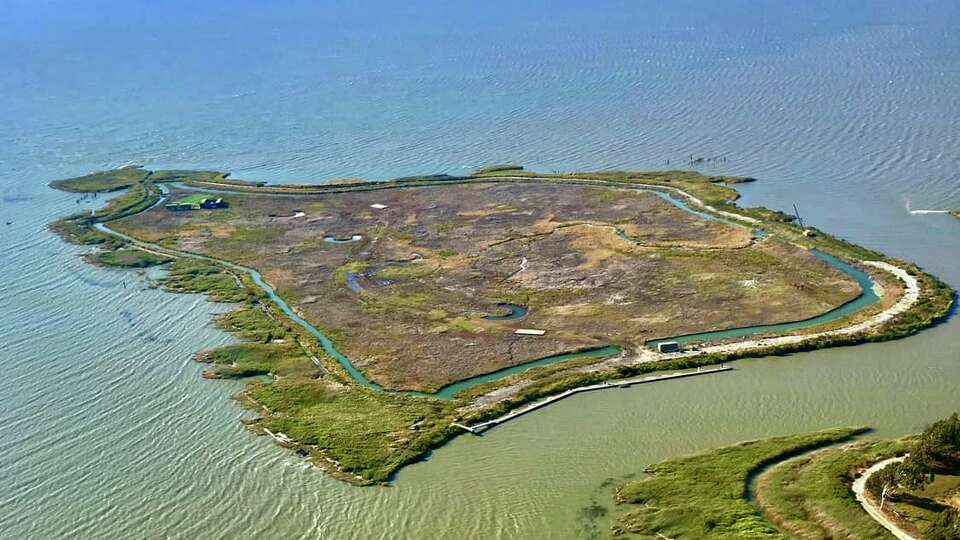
[866, 298]
[446, 392]
[258, 280]
[347, 240]
[514, 312]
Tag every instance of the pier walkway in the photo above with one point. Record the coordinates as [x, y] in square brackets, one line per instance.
[623, 383]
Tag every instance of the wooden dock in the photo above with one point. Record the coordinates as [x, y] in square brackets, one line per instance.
[467, 428]
[622, 383]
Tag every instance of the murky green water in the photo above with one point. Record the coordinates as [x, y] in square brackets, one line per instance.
[113, 422]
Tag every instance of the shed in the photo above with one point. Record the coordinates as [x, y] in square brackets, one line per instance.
[668, 347]
[529, 332]
[196, 202]
[213, 203]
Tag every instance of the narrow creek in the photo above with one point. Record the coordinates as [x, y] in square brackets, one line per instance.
[866, 298]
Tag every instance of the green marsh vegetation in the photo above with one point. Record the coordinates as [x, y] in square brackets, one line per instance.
[77, 229]
[395, 302]
[103, 181]
[498, 168]
[707, 495]
[811, 496]
[141, 193]
[539, 298]
[200, 276]
[800, 487]
[188, 176]
[130, 176]
[354, 433]
[133, 201]
[351, 430]
[128, 258]
[252, 359]
[251, 234]
[368, 433]
[352, 267]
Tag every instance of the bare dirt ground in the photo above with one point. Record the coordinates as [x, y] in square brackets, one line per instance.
[406, 300]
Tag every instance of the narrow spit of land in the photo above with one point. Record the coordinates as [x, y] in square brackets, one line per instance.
[359, 334]
[804, 486]
[798, 486]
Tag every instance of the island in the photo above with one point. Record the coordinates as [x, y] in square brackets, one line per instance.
[381, 319]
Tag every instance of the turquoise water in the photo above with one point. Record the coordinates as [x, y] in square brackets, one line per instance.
[699, 213]
[847, 110]
[514, 312]
[447, 392]
[866, 297]
[332, 240]
[351, 281]
[258, 280]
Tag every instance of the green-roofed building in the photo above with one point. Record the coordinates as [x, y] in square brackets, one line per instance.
[196, 202]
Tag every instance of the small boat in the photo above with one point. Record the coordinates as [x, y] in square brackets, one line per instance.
[10, 222]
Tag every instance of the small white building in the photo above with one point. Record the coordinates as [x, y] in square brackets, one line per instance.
[529, 332]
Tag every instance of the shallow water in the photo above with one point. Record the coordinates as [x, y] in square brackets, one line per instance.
[848, 111]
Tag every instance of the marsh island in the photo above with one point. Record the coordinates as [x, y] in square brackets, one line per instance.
[391, 316]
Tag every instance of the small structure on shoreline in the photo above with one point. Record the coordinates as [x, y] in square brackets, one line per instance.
[212, 203]
[668, 347]
[196, 202]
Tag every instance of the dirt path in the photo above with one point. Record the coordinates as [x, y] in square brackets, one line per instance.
[644, 354]
[909, 298]
[860, 490]
[623, 383]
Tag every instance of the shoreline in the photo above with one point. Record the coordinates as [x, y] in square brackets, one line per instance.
[647, 361]
[625, 383]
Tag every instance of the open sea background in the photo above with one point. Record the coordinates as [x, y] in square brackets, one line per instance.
[848, 109]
